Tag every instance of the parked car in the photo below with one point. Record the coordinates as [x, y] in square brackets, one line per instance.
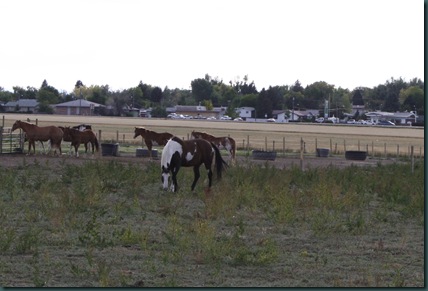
[226, 117]
[211, 118]
[271, 120]
[351, 121]
[386, 122]
[320, 119]
[238, 119]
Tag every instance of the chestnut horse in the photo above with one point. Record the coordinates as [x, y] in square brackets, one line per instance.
[225, 142]
[78, 137]
[40, 133]
[189, 153]
[67, 137]
[152, 138]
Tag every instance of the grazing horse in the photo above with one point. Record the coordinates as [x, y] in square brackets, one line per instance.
[225, 142]
[81, 127]
[78, 137]
[40, 133]
[152, 138]
[189, 153]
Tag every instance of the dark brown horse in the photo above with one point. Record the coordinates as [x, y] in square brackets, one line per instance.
[67, 137]
[40, 133]
[189, 153]
[225, 142]
[78, 137]
[152, 138]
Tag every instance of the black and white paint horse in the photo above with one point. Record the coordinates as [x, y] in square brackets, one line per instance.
[189, 153]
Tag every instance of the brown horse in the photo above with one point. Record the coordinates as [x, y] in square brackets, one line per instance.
[189, 153]
[225, 142]
[152, 138]
[67, 137]
[40, 133]
[78, 137]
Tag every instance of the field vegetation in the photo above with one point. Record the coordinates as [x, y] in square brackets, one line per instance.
[102, 223]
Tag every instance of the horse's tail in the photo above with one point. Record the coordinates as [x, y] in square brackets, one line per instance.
[220, 164]
[97, 145]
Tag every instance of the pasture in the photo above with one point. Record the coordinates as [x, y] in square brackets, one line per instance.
[284, 137]
[104, 221]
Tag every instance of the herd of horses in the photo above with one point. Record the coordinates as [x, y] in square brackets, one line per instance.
[202, 148]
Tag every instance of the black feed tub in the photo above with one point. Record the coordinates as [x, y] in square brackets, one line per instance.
[263, 155]
[323, 153]
[110, 149]
[356, 155]
[146, 153]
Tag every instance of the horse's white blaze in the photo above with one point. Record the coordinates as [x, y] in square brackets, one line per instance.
[168, 151]
[165, 178]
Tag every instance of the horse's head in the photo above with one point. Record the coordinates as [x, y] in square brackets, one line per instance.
[139, 131]
[194, 134]
[16, 125]
[171, 155]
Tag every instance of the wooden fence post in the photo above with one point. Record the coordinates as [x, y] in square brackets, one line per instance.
[398, 151]
[384, 149]
[266, 143]
[412, 159]
[1, 138]
[372, 149]
[117, 136]
[283, 146]
[248, 144]
[301, 153]
[99, 135]
[331, 147]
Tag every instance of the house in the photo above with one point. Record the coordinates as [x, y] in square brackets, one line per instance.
[280, 115]
[399, 118]
[300, 115]
[245, 112]
[77, 107]
[22, 105]
[197, 111]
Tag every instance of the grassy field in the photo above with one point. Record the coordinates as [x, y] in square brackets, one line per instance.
[282, 137]
[101, 223]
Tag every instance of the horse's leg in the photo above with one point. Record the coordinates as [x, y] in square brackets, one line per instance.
[29, 147]
[174, 184]
[149, 147]
[76, 149]
[197, 175]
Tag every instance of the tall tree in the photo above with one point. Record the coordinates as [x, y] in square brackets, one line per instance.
[156, 95]
[201, 90]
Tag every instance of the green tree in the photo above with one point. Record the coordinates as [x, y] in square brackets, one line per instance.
[412, 99]
[21, 93]
[46, 96]
[264, 104]
[316, 94]
[5, 96]
[156, 95]
[201, 90]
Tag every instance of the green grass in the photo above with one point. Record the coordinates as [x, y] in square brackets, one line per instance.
[105, 223]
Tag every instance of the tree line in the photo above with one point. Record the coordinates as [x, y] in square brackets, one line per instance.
[394, 95]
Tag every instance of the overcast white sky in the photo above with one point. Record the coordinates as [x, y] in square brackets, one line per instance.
[346, 43]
